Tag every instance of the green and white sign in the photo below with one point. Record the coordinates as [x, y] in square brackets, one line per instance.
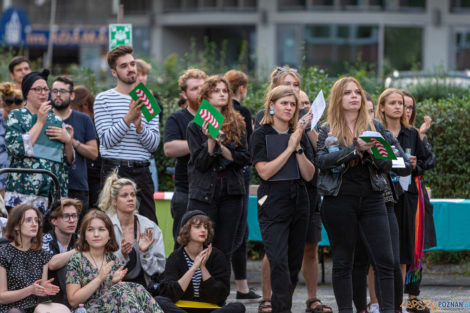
[120, 35]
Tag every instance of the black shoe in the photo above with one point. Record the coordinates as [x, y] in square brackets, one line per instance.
[251, 295]
[416, 306]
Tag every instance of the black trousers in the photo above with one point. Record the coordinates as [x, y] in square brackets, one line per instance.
[169, 307]
[225, 211]
[83, 196]
[239, 256]
[141, 176]
[179, 205]
[362, 261]
[283, 219]
[344, 218]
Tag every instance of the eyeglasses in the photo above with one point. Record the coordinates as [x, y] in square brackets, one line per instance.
[31, 220]
[39, 89]
[16, 101]
[60, 91]
[410, 108]
[68, 217]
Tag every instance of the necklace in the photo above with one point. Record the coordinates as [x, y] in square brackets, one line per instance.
[279, 132]
[96, 263]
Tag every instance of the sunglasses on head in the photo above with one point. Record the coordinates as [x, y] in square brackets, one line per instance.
[285, 69]
[16, 101]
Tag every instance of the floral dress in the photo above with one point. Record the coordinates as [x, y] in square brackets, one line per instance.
[30, 188]
[108, 298]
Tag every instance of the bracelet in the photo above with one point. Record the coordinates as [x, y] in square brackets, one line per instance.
[78, 145]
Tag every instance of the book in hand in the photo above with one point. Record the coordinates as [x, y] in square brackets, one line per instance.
[275, 145]
[45, 148]
[382, 149]
[208, 113]
[150, 109]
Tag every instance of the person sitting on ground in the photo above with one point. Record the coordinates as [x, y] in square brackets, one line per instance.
[196, 271]
[23, 265]
[59, 242]
[94, 276]
[141, 251]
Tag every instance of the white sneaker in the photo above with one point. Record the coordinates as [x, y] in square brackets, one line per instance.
[403, 310]
[374, 308]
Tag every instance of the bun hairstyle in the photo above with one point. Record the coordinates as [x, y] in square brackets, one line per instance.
[9, 92]
[111, 188]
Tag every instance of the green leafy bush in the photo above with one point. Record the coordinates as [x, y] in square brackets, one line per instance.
[449, 136]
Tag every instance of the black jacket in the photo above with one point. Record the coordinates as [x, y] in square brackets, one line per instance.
[214, 290]
[204, 168]
[329, 182]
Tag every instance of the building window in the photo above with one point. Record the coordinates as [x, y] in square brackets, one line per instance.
[136, 6]
[462, 50]
[403, 48]
[460, 6]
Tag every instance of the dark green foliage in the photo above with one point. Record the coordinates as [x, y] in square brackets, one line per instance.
[449, 136]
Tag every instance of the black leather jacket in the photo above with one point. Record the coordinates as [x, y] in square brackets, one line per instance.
[329, 182]
[204, 167]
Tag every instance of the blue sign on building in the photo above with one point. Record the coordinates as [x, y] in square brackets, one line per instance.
[14, 25]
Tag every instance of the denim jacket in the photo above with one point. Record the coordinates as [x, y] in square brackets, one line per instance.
[329, 182]
[204, 167]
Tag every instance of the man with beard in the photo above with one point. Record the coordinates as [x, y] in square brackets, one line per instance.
[127, 140]
[83, 134]
[175, 144]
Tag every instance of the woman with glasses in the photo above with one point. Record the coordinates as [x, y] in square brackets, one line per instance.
[11, 99]
[391, 112]
[29, 148]
[140, 240]
[23, 265]
[413, 288]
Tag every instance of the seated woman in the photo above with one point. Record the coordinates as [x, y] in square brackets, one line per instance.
[196, 271]
[94, 276]
[23, 265]
[141, 241]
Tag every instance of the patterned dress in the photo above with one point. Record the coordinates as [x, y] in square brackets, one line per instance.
[30, 188]
[108, 298]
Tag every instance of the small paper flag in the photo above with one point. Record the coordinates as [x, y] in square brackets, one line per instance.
[382, 149]
[150, 109]
[210, 114]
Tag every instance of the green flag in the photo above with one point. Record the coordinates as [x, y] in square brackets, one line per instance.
[150, 109]
[382, 149]
[210, 114]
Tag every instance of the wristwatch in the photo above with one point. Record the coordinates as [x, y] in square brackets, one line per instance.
[299, 151]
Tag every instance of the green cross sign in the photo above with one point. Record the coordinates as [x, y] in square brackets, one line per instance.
[120, 35]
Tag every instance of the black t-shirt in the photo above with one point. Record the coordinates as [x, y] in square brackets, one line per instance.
[356, 181]
[175, 129]
[259, 151]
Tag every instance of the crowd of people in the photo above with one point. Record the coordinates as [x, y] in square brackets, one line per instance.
[100, 246]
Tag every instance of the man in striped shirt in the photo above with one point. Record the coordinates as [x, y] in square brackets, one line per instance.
[127, 140]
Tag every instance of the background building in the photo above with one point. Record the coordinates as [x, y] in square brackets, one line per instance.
[387, 34]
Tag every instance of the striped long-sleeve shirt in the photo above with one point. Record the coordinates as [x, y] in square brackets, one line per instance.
[117, 139]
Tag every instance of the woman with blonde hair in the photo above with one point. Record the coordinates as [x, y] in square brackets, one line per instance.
[140, 240]
[352, 181]
[283, 206]
[24, 265]
[11, 99]
[392, 113]
[215, 168]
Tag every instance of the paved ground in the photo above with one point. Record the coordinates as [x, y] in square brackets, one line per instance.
[435, 287]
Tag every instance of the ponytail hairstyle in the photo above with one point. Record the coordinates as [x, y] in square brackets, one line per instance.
[234, 124]
[335, 117]
[111, 188]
